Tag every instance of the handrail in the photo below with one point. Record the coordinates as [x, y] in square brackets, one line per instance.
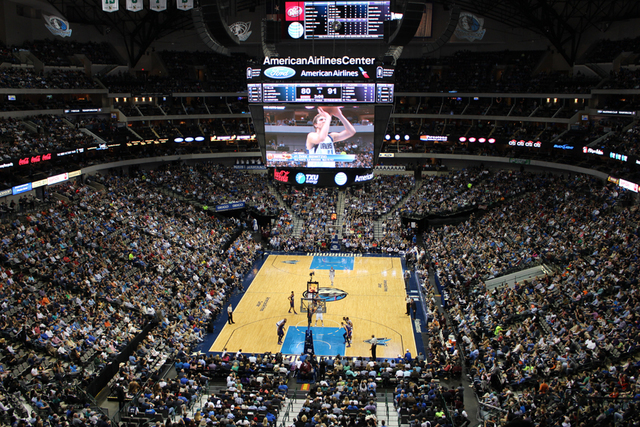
[285, 416]
[516, 278]
[386, 405]
[125, 409]
[493, 407]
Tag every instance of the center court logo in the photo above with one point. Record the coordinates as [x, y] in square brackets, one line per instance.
[379, 341]
[329, 294]
[279, 72]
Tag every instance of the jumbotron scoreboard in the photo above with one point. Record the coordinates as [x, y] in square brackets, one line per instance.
[370, 93]
[321, 79]
[331, 20]
[288, 94]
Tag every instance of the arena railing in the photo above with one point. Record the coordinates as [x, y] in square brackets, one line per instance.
[287, 414]
[118, 416]
[489, 415]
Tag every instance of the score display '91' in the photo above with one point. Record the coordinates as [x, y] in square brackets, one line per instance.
[315, 92]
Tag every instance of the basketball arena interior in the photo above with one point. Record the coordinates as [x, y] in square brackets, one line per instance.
[275, 213]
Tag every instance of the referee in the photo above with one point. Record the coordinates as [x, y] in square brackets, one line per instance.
[374, 347]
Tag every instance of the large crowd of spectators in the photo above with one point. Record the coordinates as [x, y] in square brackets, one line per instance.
[483, 72]
[255, 387]
[39, 135]
[84, 276]
[625, 78]
[188, 72]
[57, 53]
[622, 140]
[142, 251]
[64, 78]
[605, 51]
[558, 348]
[463, 190]
[7, 55]
[185, 72]
[316, 209]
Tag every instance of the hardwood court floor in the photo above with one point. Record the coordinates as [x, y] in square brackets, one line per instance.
[375, 303]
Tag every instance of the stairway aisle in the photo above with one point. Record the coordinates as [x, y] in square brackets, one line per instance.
[340, 214]
[384, 402]
[386, 411]
[290, 409]
[297, 224]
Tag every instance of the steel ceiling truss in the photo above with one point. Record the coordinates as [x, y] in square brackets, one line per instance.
[137, 29]
[562, 22]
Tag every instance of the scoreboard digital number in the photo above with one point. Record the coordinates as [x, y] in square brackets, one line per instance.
[321, 92]
[318, 93]
[346, 19]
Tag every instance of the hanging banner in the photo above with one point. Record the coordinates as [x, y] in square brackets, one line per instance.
[158, 5]
[110, 5]
[134, 5]
[184, 4]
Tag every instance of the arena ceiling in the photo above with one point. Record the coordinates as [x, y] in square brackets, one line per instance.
[562, 22]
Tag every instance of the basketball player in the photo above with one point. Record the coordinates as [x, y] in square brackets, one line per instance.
[348, 323]
[332, 275]
[319, 314]
[347, 333]
[311, 308]
[320, 140]
[281, 324]
[292, 303]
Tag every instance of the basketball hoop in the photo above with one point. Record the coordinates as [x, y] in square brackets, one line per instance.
[312, 303]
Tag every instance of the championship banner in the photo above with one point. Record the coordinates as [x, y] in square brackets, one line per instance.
[110, 5]
[184, 4]
[158, 5]
[134, 5]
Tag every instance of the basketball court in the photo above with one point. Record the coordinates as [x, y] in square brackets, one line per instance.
[369, 290]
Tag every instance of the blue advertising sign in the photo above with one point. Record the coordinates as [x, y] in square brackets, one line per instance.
[230, 206]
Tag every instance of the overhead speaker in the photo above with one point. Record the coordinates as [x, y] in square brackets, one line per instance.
[270, 34]
[217, 24]
[272, 31]
[397, 6]
[446, 35]
[408, 24]
[203, 32]
[389, 27]
[392, 55]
